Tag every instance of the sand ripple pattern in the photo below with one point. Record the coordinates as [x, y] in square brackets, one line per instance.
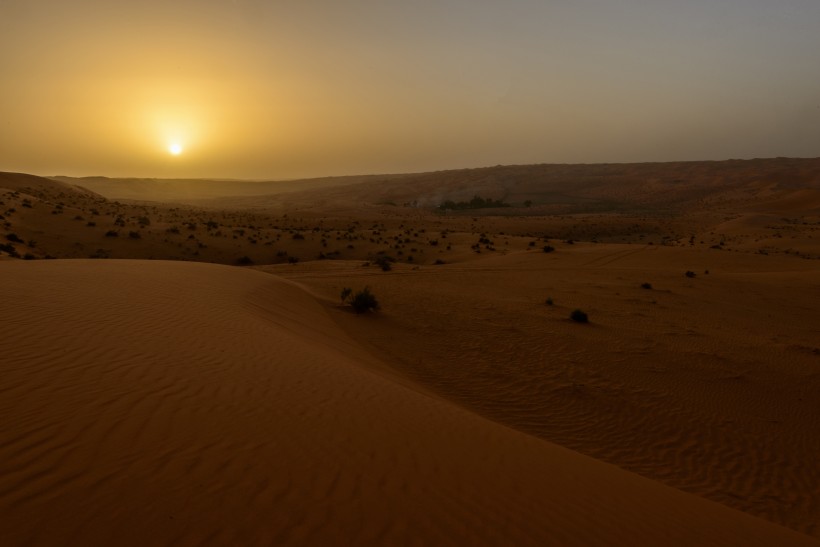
[157, 403]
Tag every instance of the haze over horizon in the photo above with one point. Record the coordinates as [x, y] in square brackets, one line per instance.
[264, 90]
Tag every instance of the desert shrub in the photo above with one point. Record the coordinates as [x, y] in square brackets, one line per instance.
[244, 260]
[579, 316]
[14, 238]
[293, 260]
[384, 262]
[548, 248]
[646, 285]
[29, 256]
[364, 301]
[549, 301]
[112, 233]
[345, 294]
[439, 262]
[91, 223]
[690, 274]
[134, 235]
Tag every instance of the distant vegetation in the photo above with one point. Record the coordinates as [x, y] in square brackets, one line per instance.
[579, 316]
[476, 203]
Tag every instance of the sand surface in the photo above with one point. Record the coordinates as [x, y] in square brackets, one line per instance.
[708, 384]
[162, 403]
[153, 402]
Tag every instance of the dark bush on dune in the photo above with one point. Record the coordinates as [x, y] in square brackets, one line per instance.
[579, 316]
[384, 262]
[364, 301]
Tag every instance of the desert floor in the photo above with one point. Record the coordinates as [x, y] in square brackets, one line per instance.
[210, 386]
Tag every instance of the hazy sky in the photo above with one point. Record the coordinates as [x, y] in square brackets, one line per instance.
[286, 88]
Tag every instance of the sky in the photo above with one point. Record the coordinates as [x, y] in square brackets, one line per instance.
[288, 89]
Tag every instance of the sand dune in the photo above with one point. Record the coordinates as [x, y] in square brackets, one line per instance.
[178, 404]
[707, 384]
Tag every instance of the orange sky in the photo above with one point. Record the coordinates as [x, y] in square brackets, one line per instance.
[258, 89]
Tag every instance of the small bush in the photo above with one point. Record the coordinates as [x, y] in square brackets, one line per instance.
[134, 235]
[244, 261]
[690, 274]
[646, 285]
[548, 248]
[579, 316]
[549, 301]
[364, 301]
[112, 233]
[345, 294]
[14, 238]
[383, 261]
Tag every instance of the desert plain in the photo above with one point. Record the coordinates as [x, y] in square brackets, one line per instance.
[179, 366]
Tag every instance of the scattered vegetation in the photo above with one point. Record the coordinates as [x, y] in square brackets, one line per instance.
[690, 274]
[476, 203]
[579, 316]
[646, 285]
[549, 301]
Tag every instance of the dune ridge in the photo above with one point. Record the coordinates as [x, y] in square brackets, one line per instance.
[706, 384]
[178, 403]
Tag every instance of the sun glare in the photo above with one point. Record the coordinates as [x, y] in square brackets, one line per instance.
[175, 149]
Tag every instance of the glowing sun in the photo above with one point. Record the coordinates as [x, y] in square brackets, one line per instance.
[175, 149]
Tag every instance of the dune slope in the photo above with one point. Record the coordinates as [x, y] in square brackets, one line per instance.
[176, 403]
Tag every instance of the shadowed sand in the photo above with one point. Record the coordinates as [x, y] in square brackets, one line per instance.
[171, 403]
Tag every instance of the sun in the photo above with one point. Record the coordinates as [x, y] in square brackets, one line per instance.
[175, 149]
